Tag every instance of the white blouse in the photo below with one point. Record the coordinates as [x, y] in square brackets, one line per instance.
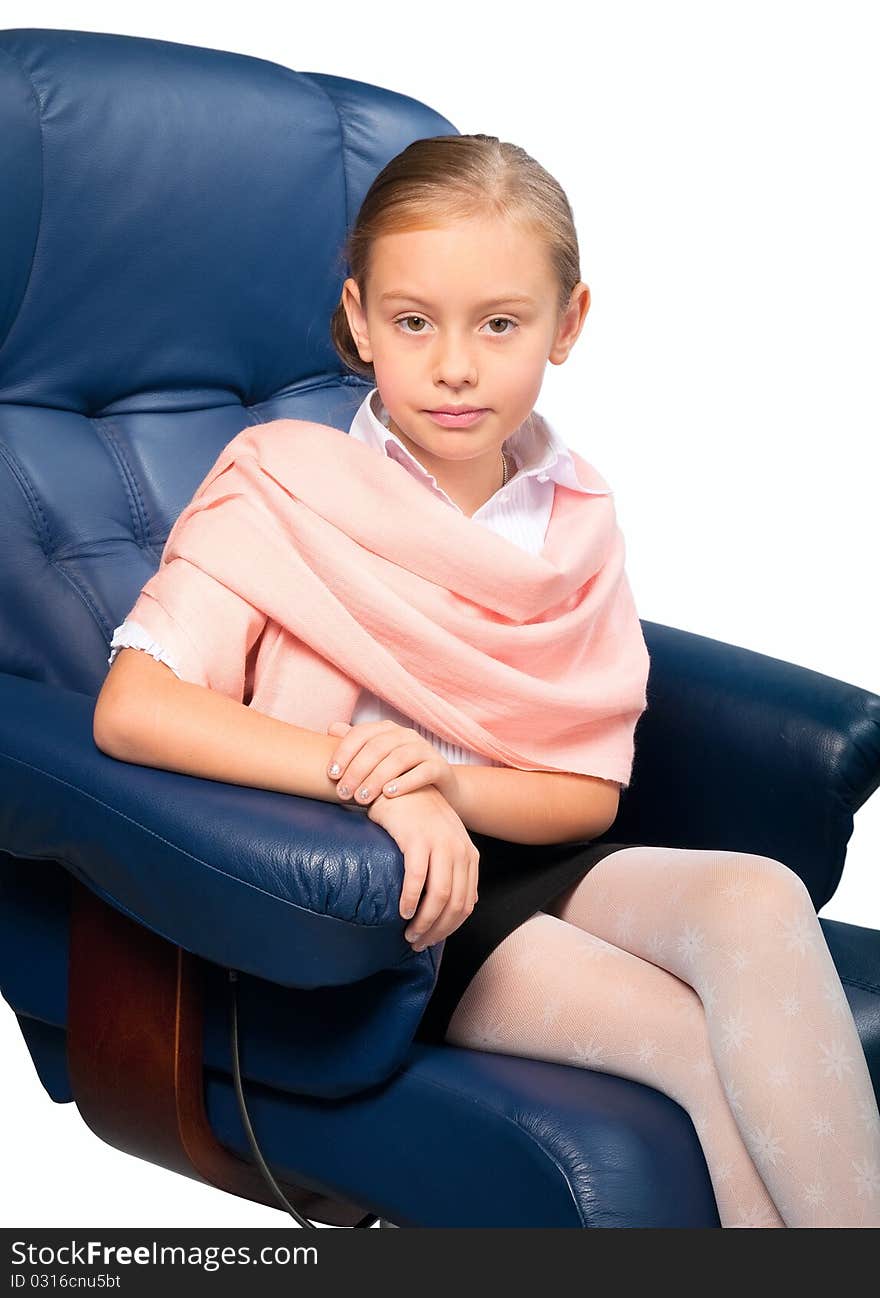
[519, 511]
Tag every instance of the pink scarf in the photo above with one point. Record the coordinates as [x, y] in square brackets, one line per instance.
[307, 566]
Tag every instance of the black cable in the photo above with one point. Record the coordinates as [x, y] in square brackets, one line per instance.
[368, 1220]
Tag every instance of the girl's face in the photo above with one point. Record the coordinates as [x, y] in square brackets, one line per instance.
[465, 314]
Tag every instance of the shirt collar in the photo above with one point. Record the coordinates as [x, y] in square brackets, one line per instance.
[537, 448]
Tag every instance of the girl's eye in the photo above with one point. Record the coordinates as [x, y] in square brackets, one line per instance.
[498, 319]
[408, 318]
[502, 319]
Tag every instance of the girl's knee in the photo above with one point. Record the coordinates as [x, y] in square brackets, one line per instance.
[771, 884]
[715, 880]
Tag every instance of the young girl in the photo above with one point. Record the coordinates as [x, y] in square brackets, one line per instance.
[702, 973]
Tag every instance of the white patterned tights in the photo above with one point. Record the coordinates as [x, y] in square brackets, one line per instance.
[706, 975]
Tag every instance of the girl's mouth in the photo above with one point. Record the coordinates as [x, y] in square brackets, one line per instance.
[456, 421]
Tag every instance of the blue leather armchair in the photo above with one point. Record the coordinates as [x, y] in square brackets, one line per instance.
[171, 228]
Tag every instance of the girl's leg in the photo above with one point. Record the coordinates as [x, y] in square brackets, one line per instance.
[552, 991]
[742, 931]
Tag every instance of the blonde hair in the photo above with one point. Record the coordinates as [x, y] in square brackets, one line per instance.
[456, 177]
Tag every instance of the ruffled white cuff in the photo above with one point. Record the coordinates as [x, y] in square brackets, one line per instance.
[131, 635]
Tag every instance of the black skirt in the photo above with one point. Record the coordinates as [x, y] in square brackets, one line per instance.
[515, 880]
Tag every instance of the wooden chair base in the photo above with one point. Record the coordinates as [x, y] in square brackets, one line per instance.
[135, 1005]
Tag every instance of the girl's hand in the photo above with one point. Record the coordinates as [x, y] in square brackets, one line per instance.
[375, 754]
[436, 846]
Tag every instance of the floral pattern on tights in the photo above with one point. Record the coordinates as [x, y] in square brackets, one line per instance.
[706, 975]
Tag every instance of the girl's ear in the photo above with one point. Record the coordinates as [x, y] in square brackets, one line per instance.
[357, 320]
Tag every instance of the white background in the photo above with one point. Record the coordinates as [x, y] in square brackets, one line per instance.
[721, 163]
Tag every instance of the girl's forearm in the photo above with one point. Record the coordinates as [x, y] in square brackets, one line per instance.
[146, 715]
[533, 806]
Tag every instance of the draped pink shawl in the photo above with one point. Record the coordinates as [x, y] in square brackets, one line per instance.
[306, 566]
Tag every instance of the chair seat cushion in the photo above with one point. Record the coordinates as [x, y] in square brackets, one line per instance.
[470, 1138]
[454, 1137]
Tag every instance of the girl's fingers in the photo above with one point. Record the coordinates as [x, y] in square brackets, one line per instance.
[360, 773]
[393, 784]
[378, 761]
[345, 751]
[354, 742]
[415, 871]
[395, 769]
[462, 899]
[449, 917]
[474, 880]
[434, 899]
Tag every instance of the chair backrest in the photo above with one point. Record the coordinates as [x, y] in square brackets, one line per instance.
[172, 226]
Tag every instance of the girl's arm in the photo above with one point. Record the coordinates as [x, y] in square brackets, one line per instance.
[145, 714]
[534, 806]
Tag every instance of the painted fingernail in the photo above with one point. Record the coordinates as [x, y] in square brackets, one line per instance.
[364, 793]
[391, 788]
[344, 790]
[334, 769]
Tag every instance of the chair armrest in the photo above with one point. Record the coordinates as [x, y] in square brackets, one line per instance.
[741, 751]
[295, 890]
